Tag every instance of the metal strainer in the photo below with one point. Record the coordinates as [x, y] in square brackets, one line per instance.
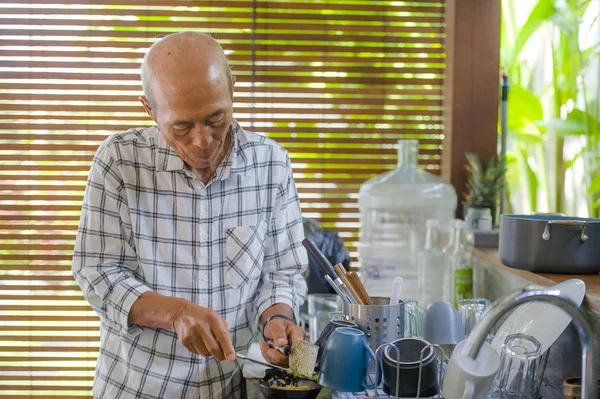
[303, 357]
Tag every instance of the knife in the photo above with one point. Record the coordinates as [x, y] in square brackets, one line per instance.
[328, 270]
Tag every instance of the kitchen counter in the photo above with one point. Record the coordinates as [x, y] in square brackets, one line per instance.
[592, 281]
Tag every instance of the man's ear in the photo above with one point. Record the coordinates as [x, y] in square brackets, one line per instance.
[146, 104]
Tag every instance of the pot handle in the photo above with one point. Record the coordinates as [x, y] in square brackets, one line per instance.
[583, 224]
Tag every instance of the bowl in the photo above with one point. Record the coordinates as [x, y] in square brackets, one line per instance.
[404, 372]
[270, 392]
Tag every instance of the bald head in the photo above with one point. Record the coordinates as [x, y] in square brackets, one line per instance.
[179, 59]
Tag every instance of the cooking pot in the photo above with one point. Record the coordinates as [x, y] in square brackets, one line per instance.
[550, 243]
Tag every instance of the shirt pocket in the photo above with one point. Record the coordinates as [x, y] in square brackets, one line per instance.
[245, 251]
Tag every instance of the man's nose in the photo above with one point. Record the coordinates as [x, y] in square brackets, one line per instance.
[202, 137]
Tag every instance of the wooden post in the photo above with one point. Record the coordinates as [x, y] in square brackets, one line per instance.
[471, 87]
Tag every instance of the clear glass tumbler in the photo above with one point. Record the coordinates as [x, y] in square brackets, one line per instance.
[319, 307]
[520, 370]
[412, 319]
[470, 311]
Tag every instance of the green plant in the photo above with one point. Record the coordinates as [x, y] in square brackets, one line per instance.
[484, 185]
[546, 116]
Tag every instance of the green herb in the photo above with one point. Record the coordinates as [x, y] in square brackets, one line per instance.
[314, 377]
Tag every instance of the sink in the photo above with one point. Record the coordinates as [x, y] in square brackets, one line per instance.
[564, 361]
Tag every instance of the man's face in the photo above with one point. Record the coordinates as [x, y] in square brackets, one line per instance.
[195, 120]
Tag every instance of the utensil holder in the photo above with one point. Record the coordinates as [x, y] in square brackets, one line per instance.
[381, 322]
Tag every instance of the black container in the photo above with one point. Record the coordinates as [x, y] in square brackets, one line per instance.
[550, 244]
[322, 340]
[277, 393]
[409, 350]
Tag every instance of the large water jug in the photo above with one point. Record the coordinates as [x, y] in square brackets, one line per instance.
[394, 207]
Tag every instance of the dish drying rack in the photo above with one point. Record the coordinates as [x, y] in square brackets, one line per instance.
[378, 392]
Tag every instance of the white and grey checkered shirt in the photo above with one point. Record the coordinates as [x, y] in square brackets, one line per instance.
[233, 245]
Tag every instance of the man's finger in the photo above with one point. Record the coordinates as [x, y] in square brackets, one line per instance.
[273, 356]
[296, 333]
[211, 343]
[200, 348]
[276, 331]
[189, 337]
[264, 350]
[278, 358]
[194, 343]
[222, 336]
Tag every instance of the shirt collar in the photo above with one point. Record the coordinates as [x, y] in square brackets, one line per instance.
[235, 162]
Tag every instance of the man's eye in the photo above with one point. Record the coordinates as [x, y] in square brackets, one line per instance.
[216, 119]
[181, 128]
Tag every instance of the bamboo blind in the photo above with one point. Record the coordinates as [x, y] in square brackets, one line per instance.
[337, 82]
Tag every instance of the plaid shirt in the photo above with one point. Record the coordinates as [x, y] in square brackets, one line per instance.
[233, 245]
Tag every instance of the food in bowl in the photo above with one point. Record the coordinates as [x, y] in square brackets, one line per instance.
[281, 385]
[292, 384]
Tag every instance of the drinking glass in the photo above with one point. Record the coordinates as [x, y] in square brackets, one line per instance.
[471, 311]
[412, 319]
[520, 370]
[319, 307]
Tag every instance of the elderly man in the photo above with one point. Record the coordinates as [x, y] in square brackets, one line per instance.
[190, 236]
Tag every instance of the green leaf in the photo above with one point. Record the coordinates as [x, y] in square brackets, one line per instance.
[590, 53]
[594, 184]
[564, 127]
[525, 104]
[529, 179]
[524, 108]
[578, 123]
[567, 60]
[526, 138]
[570, 162]
[579, 7]
[542, 11]
[596, 205]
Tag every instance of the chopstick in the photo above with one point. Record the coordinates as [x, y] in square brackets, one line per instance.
[339, 268]
[359, 287]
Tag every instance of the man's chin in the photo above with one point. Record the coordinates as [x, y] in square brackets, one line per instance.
[197, 164]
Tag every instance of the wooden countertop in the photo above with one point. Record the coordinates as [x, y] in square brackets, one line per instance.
[592, 281]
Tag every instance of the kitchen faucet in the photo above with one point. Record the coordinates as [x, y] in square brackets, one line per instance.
[581, 321]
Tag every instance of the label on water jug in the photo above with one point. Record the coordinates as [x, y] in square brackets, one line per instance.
[463, 284]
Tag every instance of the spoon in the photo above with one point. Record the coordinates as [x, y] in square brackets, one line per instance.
[239, 355]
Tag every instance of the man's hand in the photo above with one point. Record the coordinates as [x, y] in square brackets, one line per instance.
[281, 332]
[200, 330]
[203, 331]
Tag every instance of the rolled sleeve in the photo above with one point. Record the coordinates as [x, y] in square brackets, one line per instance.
[285, 257]
[124, 295]
[104, 259]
